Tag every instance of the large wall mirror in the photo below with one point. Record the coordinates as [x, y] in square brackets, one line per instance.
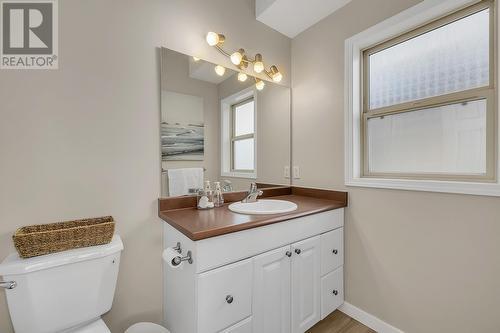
[220, 125]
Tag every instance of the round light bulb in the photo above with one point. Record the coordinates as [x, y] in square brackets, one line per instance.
[277, 77]
[220, 70]
[212, 38]
[237, 56]
[242, 77]
[258, 67]
[260, 85]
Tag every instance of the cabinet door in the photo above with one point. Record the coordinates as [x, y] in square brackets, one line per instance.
[305, 284]
[271, 291]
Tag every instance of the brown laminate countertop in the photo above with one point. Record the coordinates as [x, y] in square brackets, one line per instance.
[200, 224]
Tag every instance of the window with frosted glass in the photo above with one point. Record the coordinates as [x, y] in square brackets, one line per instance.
[448, 59]
[429, 100]
[445, 139]
[243, 132]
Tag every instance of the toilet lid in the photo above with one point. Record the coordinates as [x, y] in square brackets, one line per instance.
[146, 328]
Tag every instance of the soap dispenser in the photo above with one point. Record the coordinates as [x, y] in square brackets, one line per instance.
[218, 197]
[205, 197]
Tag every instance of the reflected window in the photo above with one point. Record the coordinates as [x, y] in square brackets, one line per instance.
[243, 136]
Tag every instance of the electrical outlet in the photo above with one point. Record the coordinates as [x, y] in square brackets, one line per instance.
[286, 171]
[296, 172]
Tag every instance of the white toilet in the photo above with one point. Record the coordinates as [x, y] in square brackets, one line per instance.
[64, 292]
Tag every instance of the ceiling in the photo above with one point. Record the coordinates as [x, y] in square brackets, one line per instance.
[291, 17]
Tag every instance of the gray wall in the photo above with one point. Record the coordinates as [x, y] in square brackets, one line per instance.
[423, 262]
[83, 140]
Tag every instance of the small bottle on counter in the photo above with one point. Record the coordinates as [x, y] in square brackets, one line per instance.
[210, 194]
[205, 197]
[218, 197]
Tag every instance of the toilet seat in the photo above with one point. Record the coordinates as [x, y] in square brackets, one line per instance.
[146, 328]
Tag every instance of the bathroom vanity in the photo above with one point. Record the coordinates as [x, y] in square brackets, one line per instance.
[274, 266]
[255, 273]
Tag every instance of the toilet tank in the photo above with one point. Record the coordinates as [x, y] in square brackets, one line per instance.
[56, 292]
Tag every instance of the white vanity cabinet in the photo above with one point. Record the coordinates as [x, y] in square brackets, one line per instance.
[279, 278]
[306, 284]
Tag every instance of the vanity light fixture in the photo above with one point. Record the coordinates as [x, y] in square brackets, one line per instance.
[237, 57]
[259, 84]
[220, 70]
[258, 65]
[242, 77]
[275, 74]
[214, 39]
[240, 59]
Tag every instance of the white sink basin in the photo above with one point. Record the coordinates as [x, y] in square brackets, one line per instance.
[263, 207]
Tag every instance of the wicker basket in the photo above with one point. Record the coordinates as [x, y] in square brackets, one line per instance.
[36, 240]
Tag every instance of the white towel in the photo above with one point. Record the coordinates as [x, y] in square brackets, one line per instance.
[181, 180]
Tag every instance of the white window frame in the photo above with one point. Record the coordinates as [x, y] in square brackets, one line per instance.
[226, 126]
[401, 23]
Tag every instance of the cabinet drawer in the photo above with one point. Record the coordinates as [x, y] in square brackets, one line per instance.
[332, 250]
[244, 326]
[224, 296]
[332, 291]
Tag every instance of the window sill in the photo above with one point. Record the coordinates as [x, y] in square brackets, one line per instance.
[487, 189]
[248, 175]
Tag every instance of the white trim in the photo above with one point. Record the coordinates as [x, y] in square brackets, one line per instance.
[409, 19]
[225, 109]
[367, 319]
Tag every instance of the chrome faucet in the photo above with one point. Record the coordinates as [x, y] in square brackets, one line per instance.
[252, 194]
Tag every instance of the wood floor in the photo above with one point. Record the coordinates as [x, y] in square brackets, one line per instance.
[338, 322]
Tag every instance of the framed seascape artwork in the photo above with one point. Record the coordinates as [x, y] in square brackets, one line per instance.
[182, 127]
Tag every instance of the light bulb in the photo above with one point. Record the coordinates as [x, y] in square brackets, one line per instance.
[196, 58]
[237, 57]
[258, 65]
[214, 38]
[259, 84]
[277, 77]
[242, 77]
[275, 74]
[220, 70]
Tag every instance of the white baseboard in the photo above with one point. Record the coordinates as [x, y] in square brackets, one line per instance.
[367, 319]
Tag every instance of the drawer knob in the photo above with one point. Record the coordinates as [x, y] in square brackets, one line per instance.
[335, 251]
[297, 251]
[229, 299]
[335, 292]
[288, 253]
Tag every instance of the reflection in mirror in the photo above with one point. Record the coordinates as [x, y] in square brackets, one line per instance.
[220, 125]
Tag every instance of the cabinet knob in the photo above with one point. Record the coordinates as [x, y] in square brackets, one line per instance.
[297, 251]
[335, 251]
[335, 292]
[229, 299]
[288, 253]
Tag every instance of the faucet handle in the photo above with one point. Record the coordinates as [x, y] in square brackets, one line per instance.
[253, 187]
